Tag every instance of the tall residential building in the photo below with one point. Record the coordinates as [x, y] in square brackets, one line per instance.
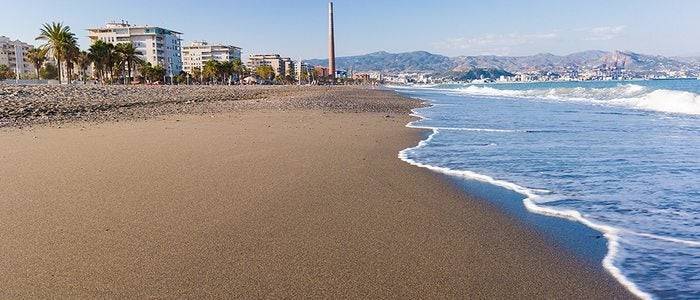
[196, 53]
[289, 67]
[300, 68]
[281, 65]
[157, 45]
[13, 54]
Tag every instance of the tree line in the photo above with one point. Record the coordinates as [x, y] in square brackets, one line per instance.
[118, 63]
[110, 61]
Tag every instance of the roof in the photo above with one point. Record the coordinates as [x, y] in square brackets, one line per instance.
[196, 44]
[111, 26]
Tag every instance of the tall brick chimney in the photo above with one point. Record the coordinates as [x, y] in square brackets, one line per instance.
[331, 42]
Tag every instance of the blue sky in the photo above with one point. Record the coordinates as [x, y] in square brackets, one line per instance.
[450, 27]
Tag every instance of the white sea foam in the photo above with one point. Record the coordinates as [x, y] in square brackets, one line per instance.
[628, 95]
[611, 234]
[665, 101]
[694, 244]
[477, 129]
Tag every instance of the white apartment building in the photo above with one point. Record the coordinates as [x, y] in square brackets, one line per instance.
[301, 67]
[289, 67]
[157, 45]
[13, 54]
[195, 54]
[281, 65]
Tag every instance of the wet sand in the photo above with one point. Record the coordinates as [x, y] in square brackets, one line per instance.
[260, 203]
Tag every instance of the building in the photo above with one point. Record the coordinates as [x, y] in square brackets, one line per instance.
[321, 72]
[195, 54]
[300, 68]
[361, 77]
[376, 76]
[157, 45]
[13, 54]
[281, 65]
[340, 74]
[289, 67]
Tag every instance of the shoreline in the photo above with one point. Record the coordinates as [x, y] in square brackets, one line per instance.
[357, 223]
[570, 233]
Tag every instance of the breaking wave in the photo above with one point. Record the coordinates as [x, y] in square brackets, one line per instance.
[530, 201]
[597, 153]
[628, 95]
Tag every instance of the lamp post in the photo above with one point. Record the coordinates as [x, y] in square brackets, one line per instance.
[170, 70]
[18, 59]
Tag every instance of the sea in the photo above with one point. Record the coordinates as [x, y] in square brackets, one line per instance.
[620, 158]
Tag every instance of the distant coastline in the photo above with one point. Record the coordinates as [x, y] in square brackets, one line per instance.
[425, 67]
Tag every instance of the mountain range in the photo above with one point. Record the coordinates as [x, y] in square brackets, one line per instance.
[425, 62]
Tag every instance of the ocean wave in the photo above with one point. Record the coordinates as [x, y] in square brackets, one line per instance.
[627, 95]
[531, 198]
[477, 129]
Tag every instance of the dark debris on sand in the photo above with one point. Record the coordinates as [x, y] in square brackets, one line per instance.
[22, 105]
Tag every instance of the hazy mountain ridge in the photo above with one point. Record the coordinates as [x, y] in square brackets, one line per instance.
[418, 61]
[694, 60]
[425, 62]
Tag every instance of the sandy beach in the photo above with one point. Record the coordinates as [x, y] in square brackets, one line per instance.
[250, 193]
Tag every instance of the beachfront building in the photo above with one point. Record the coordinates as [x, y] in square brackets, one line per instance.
[289, 67]
[13, 54]
[281, 65]
[321, 72]
[157, 45]
[300, 68]
[195, 54]
[364, 77]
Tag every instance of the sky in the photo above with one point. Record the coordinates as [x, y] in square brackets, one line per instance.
[298, 29]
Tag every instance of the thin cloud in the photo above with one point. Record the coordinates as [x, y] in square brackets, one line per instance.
[501, 44]
[507, 44]
[604, 33]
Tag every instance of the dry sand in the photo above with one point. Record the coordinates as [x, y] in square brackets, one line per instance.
[289, 203]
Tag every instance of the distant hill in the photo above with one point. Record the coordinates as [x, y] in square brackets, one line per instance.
[425, 62]
[478, 73]
[419, 61]
[694, 60]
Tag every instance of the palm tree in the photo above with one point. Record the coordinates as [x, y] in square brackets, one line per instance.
[112, 60]
[104, 57]
[6, 73]
[226, 71]
[96, 54]
[130, 55]
[116, 64]
[37, 56]
[58, 38]
[146, 69]
[210, 69]
[238, 68]
[83, 60]
[158, 73]
[71, 56]
[197, 74]
[265, 72]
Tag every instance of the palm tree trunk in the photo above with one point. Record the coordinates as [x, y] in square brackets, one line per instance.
[128, 67]
[59, 70]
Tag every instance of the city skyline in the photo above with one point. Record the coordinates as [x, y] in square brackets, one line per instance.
[299, 29]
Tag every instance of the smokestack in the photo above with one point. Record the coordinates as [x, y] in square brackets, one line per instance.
[331, 42]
